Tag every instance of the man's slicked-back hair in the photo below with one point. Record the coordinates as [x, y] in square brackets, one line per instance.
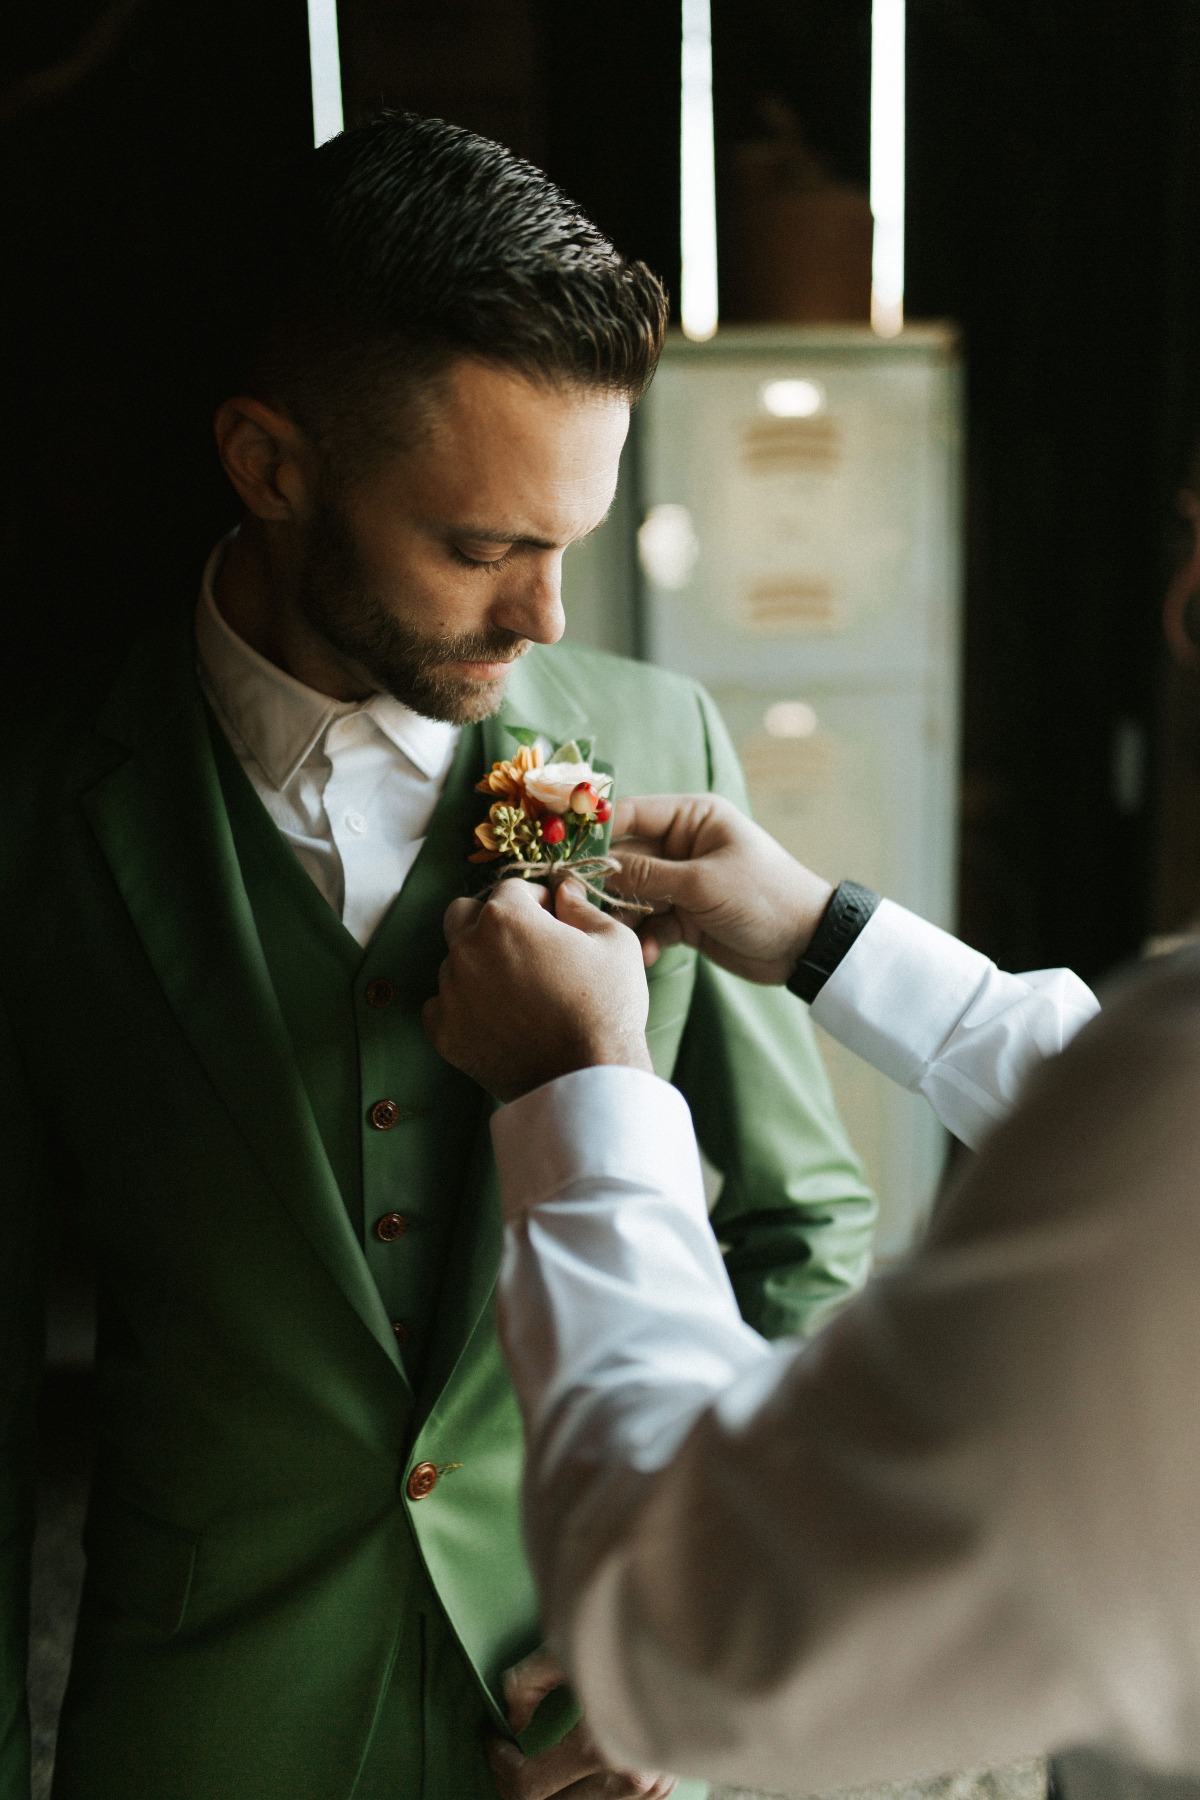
[405, 244]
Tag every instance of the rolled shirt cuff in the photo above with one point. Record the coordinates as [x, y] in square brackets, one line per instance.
[608, 1124]
[899, 992]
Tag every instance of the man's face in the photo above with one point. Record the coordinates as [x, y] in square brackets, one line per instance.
[440, 568]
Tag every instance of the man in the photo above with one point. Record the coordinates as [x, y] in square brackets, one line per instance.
[226, 865]
[959, 1527]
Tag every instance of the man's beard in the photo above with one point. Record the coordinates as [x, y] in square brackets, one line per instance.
[414, 667]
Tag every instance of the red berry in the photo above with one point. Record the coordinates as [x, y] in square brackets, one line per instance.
[603, 811]
[553, 831]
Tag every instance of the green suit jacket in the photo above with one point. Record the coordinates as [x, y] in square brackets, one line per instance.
[250, 1538]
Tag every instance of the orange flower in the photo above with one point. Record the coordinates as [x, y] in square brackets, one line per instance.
[508, 778]
[488, 849]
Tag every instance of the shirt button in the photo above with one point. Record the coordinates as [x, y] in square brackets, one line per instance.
[384, 1114]
[356, 823]
[422, 1481]
[380, 992]
[390, 1227]
[402, 1332]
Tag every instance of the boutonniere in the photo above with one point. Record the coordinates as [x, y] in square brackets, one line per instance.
[550, 815]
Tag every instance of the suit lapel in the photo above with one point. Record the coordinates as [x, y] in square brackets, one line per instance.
[537, 701]
[160, 820]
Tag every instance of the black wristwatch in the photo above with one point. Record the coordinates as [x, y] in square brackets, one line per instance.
[840, 923]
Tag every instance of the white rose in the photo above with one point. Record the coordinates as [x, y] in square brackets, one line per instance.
[554, 784]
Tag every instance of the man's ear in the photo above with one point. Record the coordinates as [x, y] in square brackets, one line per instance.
[267, 458]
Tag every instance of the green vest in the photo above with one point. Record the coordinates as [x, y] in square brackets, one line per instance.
[398, 1125]
[397, 1122]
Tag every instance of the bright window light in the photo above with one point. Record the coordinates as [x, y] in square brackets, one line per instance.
[792, 399]
[697, 177]
[790, 719]
[887, 165]
[326, 69]
[668, 547]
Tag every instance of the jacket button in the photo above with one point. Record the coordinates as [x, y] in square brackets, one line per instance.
[422, 1481]
[390, 1227]
[384, 1114]
[402, 1332]
[380, 992]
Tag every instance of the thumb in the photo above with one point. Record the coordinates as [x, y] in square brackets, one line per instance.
[654, 879]
[573, 906]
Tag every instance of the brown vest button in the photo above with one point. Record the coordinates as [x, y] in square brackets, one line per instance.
[402, 1332]
[422, 1481]
[380, 992]
[384, 1114]
[390, 1227]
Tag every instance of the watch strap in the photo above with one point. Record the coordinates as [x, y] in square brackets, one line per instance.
[849, 908]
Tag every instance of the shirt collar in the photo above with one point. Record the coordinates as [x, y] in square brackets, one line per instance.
[279, 719]
[427, 743]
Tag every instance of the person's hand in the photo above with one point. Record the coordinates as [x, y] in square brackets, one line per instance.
[716, 881]
[576, 1767]
[527, 994]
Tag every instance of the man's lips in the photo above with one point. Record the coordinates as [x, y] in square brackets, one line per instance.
[488, 671]
[484, 671]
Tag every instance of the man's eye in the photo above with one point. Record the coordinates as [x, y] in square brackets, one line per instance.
[480, 562]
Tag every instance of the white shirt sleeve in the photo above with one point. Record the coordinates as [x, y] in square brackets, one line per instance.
[594, 1148]
[944, 1021]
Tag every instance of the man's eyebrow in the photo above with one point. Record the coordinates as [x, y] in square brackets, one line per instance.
[504, 534]
[494, 534]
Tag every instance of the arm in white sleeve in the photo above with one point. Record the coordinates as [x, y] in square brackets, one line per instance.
[959, 1527]
[604, 1204]
[944, 1021]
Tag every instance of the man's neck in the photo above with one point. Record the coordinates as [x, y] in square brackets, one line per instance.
[256, 595]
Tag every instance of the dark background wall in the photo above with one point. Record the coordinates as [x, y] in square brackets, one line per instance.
[1053, 175]
[1054, 194]
[124, 153]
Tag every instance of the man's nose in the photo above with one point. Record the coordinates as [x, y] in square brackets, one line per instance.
[532, 607]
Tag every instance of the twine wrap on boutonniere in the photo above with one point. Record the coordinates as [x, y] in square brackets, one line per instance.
[550, 817]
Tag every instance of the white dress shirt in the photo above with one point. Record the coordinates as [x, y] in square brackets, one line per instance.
[351, 785]
[739, 1560]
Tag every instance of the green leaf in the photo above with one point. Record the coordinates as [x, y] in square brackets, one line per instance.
[568, 753]
[523, 735]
